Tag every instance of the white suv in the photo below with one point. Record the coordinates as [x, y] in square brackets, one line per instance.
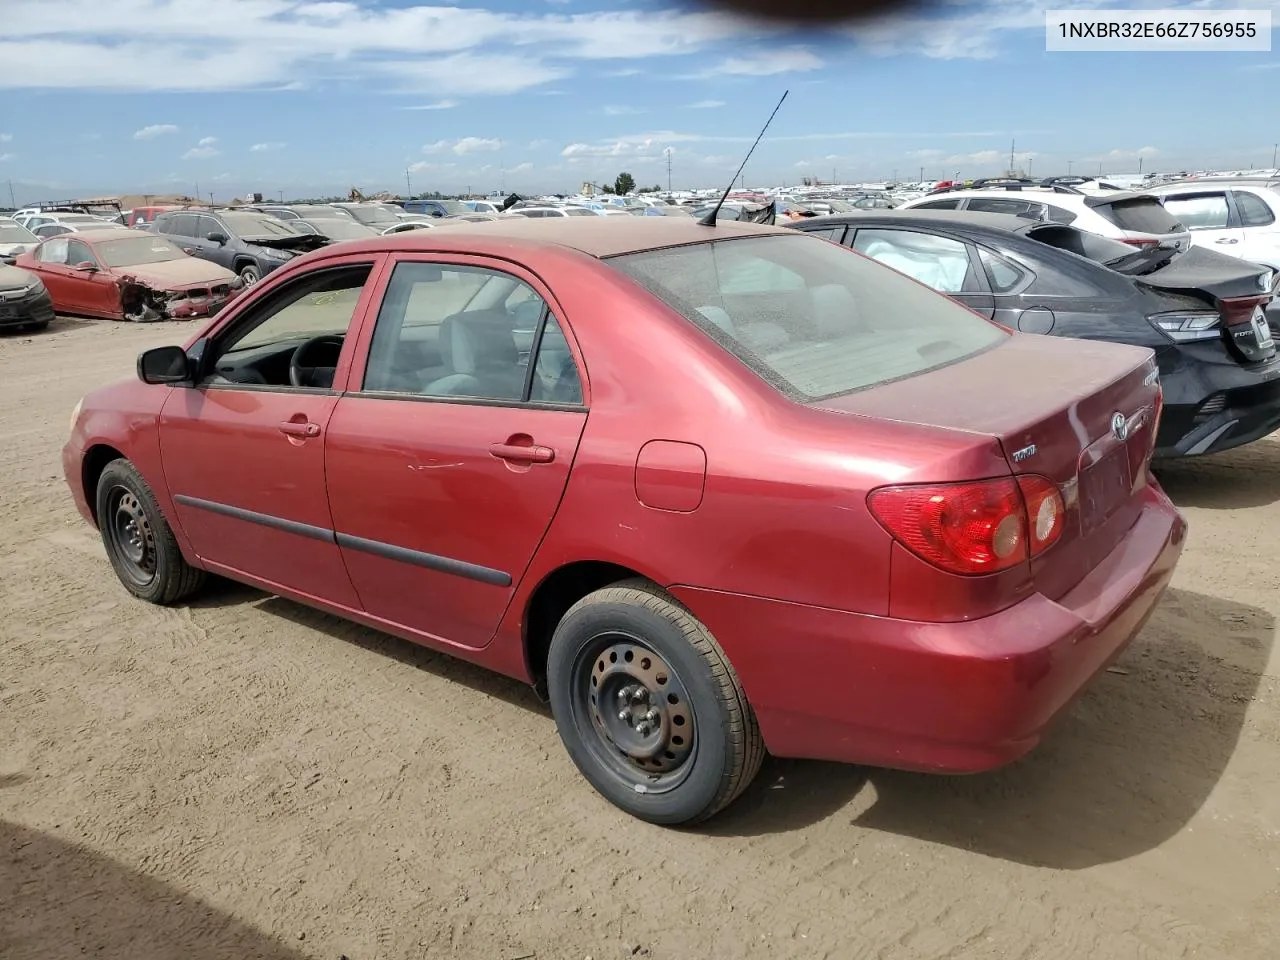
[1133, 218]
[1236, 217]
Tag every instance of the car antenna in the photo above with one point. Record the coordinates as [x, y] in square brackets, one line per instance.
[710, 219]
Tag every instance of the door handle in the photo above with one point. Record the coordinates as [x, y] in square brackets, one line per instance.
[291, 428]
[1226, 240]
[521, 453]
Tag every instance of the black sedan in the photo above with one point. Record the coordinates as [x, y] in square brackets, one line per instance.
[24, 301]
[1204, 314]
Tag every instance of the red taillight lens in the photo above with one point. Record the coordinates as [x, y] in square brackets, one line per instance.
[972, 528]
[1134, 242]
[1240, 309]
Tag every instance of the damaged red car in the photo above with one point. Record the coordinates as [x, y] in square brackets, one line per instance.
[129, 275]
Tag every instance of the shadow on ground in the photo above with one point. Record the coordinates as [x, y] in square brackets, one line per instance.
[62, 900]
[1125, 770]
[1247, 476]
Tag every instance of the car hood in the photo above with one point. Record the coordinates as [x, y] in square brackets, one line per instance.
[11, 278]
[172, 274]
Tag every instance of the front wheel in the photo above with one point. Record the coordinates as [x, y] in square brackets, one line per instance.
[648, 706]
[250, 274]
[139, 541]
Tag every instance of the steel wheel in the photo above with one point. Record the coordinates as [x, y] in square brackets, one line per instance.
[131, 536]
[638, 713]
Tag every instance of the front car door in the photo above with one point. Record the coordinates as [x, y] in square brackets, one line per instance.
[218, 252]
[948, 265]
[93, 290]
[447, 457]
[1209, 217]
[58, 278]
[243, 449]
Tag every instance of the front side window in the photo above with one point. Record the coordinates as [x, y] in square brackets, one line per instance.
[78, 252]
[846, 325]
[1204, 212]
[938, 262]
[468, 332]
[207, 226]
[294, 337]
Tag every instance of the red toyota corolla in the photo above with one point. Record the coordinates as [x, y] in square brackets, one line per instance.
[711, 490]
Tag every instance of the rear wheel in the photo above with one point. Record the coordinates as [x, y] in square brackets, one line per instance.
[139, 541]
[649, 707]
[250, 274]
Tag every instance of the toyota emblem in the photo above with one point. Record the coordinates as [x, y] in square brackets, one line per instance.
[1119, 426]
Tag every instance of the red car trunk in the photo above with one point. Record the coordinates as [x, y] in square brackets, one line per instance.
[1095, 450]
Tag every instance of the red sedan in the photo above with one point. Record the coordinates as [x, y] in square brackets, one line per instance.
[121, 274]
[711, 490]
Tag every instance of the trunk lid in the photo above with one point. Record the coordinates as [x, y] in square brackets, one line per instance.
[1080, 413]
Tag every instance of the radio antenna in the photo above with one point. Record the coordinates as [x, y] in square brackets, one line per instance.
[710, 219]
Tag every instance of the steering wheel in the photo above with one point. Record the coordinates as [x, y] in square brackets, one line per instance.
[304, 372]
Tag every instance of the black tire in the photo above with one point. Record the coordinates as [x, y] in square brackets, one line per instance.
[139, 541]
[629, 636]
[250, 274]
[37, 326]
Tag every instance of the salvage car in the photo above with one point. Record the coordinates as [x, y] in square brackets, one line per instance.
[776, 495]
[25, 304]
[122, 274]
[15, 238]
[249, 244]
[1204, 315]
[1238, 217]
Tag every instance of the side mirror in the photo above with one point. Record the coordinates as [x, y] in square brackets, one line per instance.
[88, 266]
[164, 365]
[219, 238]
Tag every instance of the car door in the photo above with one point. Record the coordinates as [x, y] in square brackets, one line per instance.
[52, 256]
[1259, 225]
[467, 436]
[243, 449]
[947, 264]
[89, 286]
[178, 227]
[219, 252]
[1209, 217]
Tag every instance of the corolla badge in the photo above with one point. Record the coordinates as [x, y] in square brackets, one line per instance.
[1119, 426]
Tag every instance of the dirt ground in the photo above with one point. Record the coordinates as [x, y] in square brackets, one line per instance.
[247, 778]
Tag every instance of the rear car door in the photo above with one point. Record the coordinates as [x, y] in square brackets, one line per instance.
[466, 427]
[178, 227]
[243, 448]
[1210, 219]
[1258, 222]
[947, 264]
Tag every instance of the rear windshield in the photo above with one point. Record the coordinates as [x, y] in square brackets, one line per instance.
[814, 319]
[1141, 215]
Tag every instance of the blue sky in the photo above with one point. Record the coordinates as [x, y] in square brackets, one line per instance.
[307, 97]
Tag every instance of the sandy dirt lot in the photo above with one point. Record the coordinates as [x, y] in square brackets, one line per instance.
[246, 778]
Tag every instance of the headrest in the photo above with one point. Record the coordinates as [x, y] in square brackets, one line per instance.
[479, 340]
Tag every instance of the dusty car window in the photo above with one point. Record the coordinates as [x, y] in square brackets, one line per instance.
[259, 349]
[1207, 212]
[78, 252]
[939, 262]
[852, 323]
[138, 250]
[53, 251]
[1253, 210]
[452, 331]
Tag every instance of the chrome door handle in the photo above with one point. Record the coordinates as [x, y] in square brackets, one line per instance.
[291, 428]
[1226, 240]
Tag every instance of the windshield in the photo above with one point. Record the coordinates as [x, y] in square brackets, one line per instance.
[255, 225]
[337, 229]
[135, 251]
[813, 319]
[374, 213]
[578, 212]
[11, 232]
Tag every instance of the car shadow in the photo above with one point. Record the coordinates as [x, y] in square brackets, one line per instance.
[1129, 765]
[1247, 476]
[64, 900]
[414, 655]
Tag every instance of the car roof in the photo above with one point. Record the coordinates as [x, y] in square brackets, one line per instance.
[996, 222]
[594, 236]
[1033, 194]
[93, 237]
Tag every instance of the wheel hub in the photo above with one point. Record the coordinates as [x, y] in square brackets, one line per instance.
[640, 709]
[133, 534]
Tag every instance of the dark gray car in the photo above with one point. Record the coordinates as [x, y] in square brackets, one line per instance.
[250, 243]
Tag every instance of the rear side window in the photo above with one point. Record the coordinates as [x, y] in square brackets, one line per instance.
[997, 205]
[1207, 211]
[813, 319]
[1253, 210]
[1142, 214]
[1004, 276]
[828, 233]
[1058, 214]
[938, 205]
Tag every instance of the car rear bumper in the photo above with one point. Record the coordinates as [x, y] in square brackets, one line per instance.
[940, 697]
[33, 308]
[1212, 408]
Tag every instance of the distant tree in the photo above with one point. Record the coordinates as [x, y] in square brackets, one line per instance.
[624, 184]
[654, 189]
[606, 188]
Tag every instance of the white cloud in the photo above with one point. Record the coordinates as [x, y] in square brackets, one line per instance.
[521, 168]
[423, 165]
[154, 130]
[625, 72]
[266, 147]
[623, 110]
[927, 154]
[7, 156]
[207, 141]
[768, 63]
[978, 158]
[537, 144]
[203, 150]
[438, 105]
[803, 163]
[476, 144]
[1144, 153]
[705, 105]
[6, 138]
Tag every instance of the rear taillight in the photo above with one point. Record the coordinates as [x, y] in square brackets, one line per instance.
[1240, 309]
[973, 528]
[1189, 326]
[1135, 242]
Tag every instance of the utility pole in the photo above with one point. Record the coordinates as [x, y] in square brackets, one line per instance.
[668, 152]
[407, 184]
[12, 202]
[1099, 168]
[197, 191]
[1069, 162]
[1140, 166]
[1012, 144]
[1274, 149]
[921, 180]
